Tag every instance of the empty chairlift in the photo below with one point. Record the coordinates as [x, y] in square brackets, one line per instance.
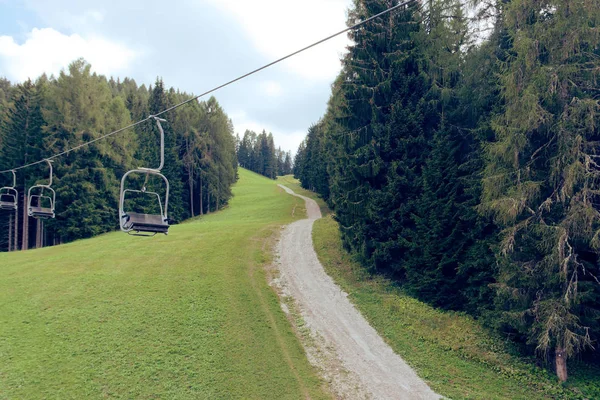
[142, 224]
[39, 204]
[9, 197]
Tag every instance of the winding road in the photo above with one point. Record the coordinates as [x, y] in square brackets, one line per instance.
[328, 312]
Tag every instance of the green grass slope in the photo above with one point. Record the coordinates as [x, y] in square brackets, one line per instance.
[451, 351]
[184, 316]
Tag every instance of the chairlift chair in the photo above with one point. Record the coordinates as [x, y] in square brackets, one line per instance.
[41, 206]
[140, 224]
[9, 197]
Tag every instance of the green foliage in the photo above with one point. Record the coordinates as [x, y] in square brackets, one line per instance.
[22, 141]
[81, 108]
[53, 115]
[312, 161]
[541, 178]
[451, 351]
[257, 153]
[393, 156]
[468, 171]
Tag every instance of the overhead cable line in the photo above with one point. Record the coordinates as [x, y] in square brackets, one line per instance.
[353, 27]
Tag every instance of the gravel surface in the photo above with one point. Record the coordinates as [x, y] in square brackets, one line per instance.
[375, 370]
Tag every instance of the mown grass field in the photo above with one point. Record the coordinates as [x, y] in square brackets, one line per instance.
[184, 316]
[451, 351]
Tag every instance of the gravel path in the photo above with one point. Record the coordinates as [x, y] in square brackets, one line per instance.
[376, 371]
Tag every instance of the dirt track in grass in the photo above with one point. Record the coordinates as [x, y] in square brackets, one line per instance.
[363, 365]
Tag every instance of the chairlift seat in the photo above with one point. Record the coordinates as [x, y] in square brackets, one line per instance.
[146, 223]
[150, 223]
[41, 212]
[8, 205]
[8, 202]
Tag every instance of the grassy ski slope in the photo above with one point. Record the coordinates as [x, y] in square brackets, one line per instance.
[184, 316]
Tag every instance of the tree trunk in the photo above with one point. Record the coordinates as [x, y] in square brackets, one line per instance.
[190, 169]
[191, 179]
[16, 232]
[25, 241]
[10, 232]
[201, 194]
[38, 234]
[561, 364]
[218, 192]
[208, 201]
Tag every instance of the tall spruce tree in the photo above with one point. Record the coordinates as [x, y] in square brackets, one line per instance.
[81, 107]
[381, 134]
[22, 142]
[449, 260]
[542, 176]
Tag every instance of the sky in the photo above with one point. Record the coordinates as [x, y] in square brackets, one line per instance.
[194, 45]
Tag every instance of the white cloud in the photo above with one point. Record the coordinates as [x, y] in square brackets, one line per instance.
[272, 88]
[47, 50]
[279, 27]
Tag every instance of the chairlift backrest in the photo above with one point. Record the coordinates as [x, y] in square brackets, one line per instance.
[9, 197]
[142, 224]
[35, 203]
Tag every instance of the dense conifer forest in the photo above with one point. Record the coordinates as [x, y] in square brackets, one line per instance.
[43, 118]
[460, 153]
[257, 153]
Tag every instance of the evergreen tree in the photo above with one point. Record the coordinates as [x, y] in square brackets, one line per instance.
[258, 153]
[287, 164]
[245, 150]
[314, 175]
[270, 158]
[55, 115]
[541, 180]
[299, 161]
[22, 142]
[380, 135]
[81, 107]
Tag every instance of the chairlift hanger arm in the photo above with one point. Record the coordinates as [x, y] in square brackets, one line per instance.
[51, 173]
[14, 175]
[162, 142]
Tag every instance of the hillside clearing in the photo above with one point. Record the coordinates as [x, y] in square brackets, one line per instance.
[184, 316]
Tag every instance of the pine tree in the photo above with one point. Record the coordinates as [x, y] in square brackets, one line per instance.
[270, 158]
[379, 134]
[541, 180]
[160, 99]
[245, 150]
[287, 164]
[22, 142]
[299, 161]
[81, 107]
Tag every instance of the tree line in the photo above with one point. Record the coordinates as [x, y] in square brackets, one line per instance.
[460, 152]
[43, 118]
[257, 153]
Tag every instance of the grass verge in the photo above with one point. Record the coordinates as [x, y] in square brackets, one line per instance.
[184, 316]
[294, 184]
[451, 351]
